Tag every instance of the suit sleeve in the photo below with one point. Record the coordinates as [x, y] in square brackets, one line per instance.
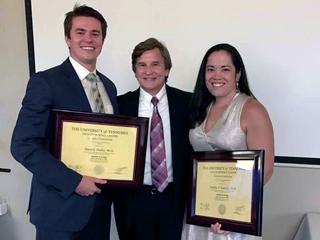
[30, 139]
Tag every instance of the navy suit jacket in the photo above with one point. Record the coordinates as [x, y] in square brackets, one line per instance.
[178, 110]
[53, 203]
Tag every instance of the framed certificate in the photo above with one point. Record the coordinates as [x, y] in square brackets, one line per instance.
[103, 146]
[227, 187]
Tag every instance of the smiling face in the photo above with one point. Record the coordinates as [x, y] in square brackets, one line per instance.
[221, 75]
[150, 71]
[85, 42]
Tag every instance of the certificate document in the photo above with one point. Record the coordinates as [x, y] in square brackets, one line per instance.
[101, 151]
[224, 190]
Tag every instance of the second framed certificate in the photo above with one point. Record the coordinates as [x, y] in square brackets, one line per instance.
[227, 187]
[103, 146]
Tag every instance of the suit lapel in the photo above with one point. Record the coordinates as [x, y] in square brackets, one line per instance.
[75, 85]
[133, 110]
[174, 119]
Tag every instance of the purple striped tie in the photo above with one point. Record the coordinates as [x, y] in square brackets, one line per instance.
[158, 154]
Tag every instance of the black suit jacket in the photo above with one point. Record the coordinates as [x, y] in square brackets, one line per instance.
[178, 108]
[53, 203]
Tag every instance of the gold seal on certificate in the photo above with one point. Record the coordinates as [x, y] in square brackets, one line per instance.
[99, 170]
[102, 146]
[222, 209]
[227, 187]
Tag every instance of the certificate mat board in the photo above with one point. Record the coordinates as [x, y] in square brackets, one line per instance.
[227, 187]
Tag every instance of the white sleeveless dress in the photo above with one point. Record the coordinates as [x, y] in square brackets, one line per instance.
[226, 134]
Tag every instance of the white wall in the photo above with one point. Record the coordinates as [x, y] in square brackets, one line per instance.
[290, 193]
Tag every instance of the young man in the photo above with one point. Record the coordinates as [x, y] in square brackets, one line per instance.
[158, 207]
[63, 204]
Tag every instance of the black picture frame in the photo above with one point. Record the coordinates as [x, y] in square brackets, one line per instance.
[141, 124]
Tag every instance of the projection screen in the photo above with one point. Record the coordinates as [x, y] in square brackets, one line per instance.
[278, 40]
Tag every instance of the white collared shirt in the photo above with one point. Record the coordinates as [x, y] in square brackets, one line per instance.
[82, 72]
[145, 110]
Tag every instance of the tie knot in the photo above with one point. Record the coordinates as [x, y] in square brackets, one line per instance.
[155, 101]
[91, 77]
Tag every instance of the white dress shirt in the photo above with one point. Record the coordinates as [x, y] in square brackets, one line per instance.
[145, 110]
[82, 72]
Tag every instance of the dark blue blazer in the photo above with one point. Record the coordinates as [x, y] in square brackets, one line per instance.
[53, 203]
[178, 110]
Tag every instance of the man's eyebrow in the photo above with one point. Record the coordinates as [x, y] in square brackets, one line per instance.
[82, 29]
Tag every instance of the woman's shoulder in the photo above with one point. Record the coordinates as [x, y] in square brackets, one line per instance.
[253, 106]
[254, 111]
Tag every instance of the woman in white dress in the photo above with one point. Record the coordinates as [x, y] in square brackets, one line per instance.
[225, 115]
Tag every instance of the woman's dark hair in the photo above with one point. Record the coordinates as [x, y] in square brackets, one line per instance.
[202, 98]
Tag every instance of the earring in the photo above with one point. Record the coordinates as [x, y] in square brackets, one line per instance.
[237, 87]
